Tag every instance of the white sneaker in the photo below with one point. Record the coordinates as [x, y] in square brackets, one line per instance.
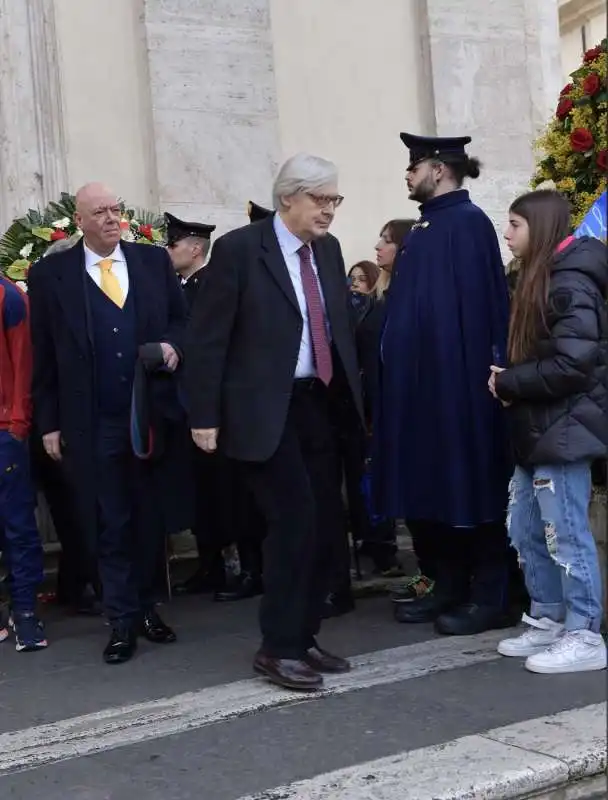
[575, 651]
[540, 634]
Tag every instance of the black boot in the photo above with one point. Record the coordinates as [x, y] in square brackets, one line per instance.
[451, 587]
[469, 619]
[248, 583]
[425, 609]
[488, 556]
[210, 576]
[244, 586]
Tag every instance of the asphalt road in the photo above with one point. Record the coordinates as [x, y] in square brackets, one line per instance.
[222, 735]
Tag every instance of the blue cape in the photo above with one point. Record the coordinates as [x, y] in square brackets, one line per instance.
[440, 443]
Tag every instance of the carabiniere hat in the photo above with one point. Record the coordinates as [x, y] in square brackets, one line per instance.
[423, 147]
[257, 213]
[178, 229]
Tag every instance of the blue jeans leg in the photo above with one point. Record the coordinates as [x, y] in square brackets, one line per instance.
[21, 537]
[527, 534]
[563, 493]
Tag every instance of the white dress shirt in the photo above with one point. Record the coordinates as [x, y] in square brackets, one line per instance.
[290, 244]
[119, 267]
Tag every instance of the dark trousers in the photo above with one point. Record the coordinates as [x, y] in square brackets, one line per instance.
[19, 537]
[467, 564]
[213, 521]
[352, 452]
[225, 514]
[249, 523]
[131, 539]
[76, 569]
[298, 491]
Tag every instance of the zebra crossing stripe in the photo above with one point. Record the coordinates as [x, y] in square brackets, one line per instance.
[127, 725]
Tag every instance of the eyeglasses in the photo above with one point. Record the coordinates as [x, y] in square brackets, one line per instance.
[324, 200]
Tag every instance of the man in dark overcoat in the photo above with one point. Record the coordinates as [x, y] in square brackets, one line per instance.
[94, 307]
[270, 363]
[224, 510]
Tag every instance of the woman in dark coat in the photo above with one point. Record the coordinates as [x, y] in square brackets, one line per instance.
[377, 535]
[556, 392]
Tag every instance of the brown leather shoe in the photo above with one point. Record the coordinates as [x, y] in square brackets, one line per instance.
[287, 672]
[322, 661]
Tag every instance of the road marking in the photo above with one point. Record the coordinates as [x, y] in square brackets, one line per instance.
[128, 725]
[533, 756]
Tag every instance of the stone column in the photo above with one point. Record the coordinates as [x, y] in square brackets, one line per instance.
[214, 106]
[32, 149]
[496, 75]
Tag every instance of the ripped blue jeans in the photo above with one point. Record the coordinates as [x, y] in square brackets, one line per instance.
[548, 523]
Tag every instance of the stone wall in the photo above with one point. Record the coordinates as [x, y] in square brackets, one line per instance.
[496, 76]
[214, 106]
[197, 101]
[32, 147]
[105, 109]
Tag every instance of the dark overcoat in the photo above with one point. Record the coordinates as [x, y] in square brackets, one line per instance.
[441, 449]
[64, 384]
[245, 335]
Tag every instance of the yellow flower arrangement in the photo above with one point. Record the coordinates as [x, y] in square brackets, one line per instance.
[574, 147]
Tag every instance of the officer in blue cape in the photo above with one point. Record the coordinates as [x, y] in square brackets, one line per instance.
[440, 444]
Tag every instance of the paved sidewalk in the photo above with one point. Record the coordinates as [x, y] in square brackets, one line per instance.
[547, 755]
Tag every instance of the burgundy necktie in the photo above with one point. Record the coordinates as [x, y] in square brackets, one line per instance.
[316, 316]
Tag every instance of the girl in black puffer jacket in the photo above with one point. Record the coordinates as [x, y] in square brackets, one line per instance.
[556, 392]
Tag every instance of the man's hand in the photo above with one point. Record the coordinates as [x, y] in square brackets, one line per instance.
[205, 438]
[494, 371]
[52, 445]
[170, 357]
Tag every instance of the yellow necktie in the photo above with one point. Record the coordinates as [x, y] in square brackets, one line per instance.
[110, 284]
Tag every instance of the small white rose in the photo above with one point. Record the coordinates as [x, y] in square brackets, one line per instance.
[22, 285]
[26, 250]
[62, 223]
[128, 236]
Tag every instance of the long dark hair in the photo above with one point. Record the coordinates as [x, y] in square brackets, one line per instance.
[548, 216]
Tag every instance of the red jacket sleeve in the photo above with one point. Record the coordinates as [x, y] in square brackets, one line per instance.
[20, 353]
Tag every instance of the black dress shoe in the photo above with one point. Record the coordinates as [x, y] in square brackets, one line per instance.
[155, 630]
[426, 609]
[121, 647]
[201, 582]
[287, 672]
[322, 661]
[245, 586]
[337, 603]
[470, 619]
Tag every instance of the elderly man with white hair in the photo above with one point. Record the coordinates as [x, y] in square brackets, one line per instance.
[270, 366]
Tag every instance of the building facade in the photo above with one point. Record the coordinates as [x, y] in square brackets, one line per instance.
[583, 25]
[190, 105]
